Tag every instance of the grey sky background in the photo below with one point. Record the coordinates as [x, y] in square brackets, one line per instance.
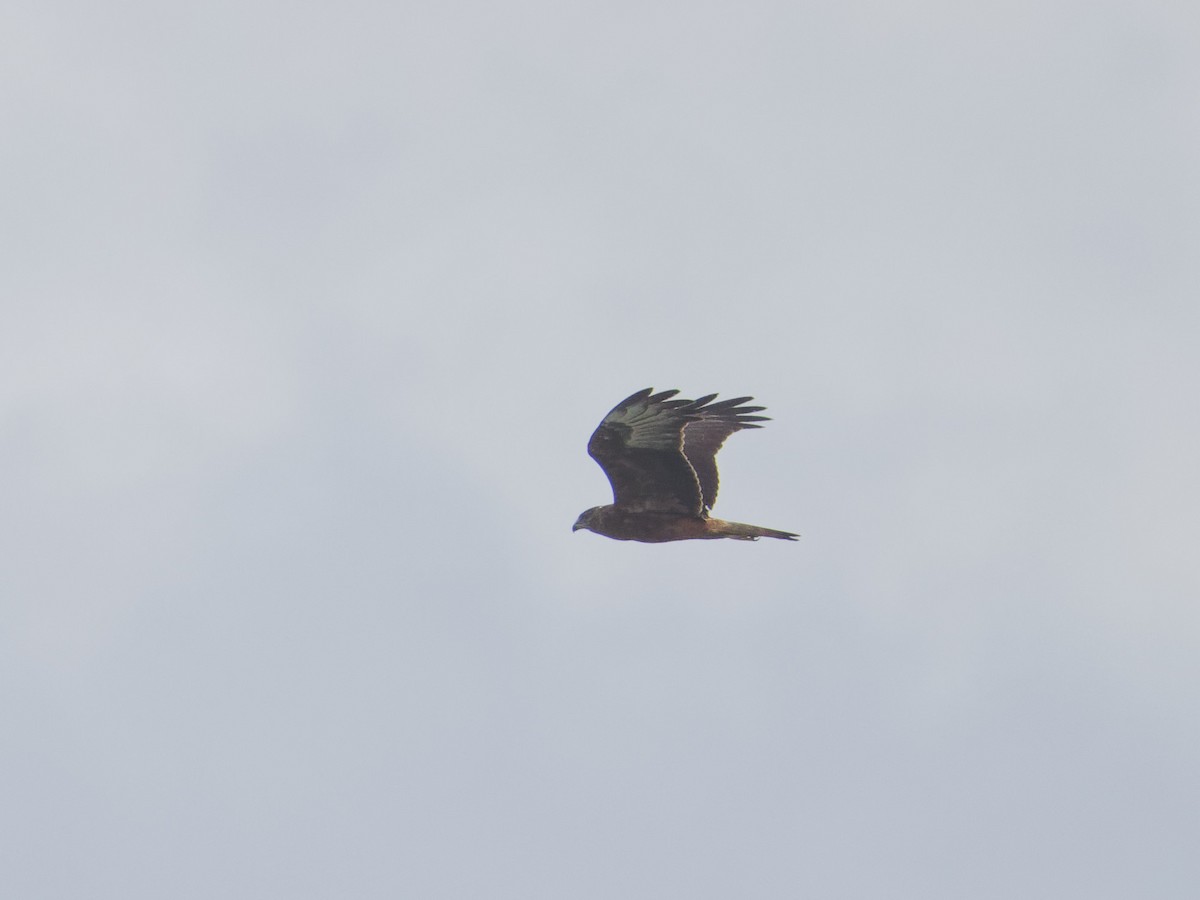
[309, 310]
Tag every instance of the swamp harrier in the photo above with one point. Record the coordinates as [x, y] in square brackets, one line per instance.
[660, 456]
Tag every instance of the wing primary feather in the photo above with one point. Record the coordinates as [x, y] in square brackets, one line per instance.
[633, 398]
[728, 404]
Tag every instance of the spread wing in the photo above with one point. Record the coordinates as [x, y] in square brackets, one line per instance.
[660, 453]
[704, 435]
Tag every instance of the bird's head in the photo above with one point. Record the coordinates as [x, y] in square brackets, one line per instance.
[585, 519]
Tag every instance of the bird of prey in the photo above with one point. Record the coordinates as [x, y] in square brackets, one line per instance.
[660, 456]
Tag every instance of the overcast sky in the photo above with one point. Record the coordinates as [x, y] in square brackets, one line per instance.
[310, 309]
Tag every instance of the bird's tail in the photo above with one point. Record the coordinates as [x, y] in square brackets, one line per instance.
[740, 532]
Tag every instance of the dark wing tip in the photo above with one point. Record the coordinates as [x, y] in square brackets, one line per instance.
[646, 395]
[735, 405]
[633, 398]
[730, 410]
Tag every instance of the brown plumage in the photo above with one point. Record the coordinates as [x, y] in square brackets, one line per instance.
[660, 456]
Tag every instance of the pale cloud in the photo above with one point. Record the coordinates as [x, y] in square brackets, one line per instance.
[310, 312]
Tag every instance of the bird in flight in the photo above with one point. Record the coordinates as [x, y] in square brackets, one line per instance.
[660, 455]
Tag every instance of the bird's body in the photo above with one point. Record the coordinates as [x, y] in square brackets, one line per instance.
[660, 456]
